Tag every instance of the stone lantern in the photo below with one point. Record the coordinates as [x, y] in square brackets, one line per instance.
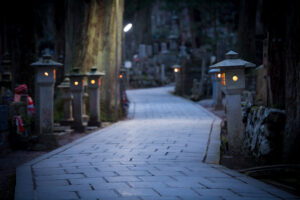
[176, 68]
[5, 79]
[216, 77]
[77, 90]
[234, 69]
[94, 83]
[67, 98]
[5, 71]
[45, 75]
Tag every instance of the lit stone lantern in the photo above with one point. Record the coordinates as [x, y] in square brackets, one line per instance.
[234, 69]
[94, 83]
[45, 75]
[217, 92]
[176, 68]
[77, 90]
[5, 79]
[67, 98]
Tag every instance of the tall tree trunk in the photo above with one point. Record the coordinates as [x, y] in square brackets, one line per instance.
[91, 41]
[246, 32]
[292, 85]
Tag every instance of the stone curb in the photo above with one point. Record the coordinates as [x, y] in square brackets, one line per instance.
[212, 155]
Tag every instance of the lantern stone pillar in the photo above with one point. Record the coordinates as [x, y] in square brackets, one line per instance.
[94, 83]
[77, 90]
[5, 79]
[67, 98]
[177, 74]
[217, 92]
[234, 69]
[162, 74]
[45, 75]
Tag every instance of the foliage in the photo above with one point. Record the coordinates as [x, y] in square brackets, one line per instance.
[105, 115]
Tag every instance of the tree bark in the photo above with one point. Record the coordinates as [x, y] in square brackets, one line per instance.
[246, 32]
[91, 41]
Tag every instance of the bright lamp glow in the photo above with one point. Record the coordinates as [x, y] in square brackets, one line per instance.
[93, 82]
[235, 78]
[46, 74]
[176, 70]
[76, 83]
[219, 75]
[127, 27]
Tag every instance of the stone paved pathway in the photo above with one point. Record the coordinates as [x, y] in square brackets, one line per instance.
[156, 155]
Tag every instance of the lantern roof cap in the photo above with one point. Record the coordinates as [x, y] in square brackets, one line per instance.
[176, 66]
[65, 83]
[94, 72]
[214, 70]
[46, 61]
[232, 61]
[6, 59]
[76, 72]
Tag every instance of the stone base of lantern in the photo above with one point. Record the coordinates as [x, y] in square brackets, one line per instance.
[47, 141]
[218, 107]
[85, 118]
[67, 122]
[94, 123]
[80, 128]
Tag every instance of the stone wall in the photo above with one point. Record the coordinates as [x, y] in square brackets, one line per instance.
[263, 134]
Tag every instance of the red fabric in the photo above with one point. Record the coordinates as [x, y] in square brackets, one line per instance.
[30, 105]
[21, 89]
[20, 124]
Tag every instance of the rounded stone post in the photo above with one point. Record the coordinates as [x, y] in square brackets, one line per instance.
[94, 83]
[77, 90]
[67, 98]
[45, 75]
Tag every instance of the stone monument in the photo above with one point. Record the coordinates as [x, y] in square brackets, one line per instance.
[45, 75]
[77, 90]
[217, 91]
[234, 69]
[67, 98]
[94, 83]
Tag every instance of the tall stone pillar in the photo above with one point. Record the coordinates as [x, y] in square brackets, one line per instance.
[94, 83]
[45, 75]
[77, 90]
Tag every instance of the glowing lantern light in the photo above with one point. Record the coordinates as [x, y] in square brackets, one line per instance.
[235, 78]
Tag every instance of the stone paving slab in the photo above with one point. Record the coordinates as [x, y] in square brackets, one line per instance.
[167, 150]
